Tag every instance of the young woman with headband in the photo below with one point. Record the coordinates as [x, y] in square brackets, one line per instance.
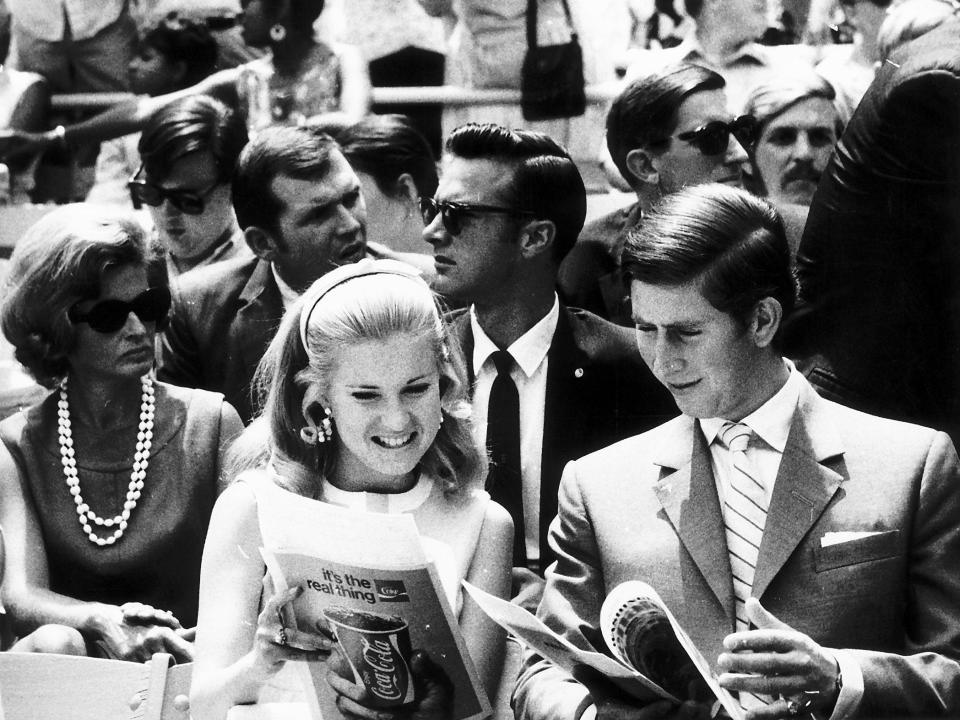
[365, 407]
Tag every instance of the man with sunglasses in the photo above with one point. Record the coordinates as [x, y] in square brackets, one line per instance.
[549, 382]
[665, 131]
[299, 204]
[189, 149]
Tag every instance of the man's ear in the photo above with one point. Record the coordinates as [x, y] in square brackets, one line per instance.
[537, 237]
[261, 243]
[641, 165]
[406, 189]
[767, 316]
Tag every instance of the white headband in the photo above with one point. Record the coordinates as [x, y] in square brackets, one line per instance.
[345, 273]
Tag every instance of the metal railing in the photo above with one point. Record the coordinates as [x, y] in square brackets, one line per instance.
[449, 95]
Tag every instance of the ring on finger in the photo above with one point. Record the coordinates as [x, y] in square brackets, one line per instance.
[799, 703]
[281, 637]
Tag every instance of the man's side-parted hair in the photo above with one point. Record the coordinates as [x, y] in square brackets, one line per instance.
[546, 182]
[295, 152]
[192, 124]
[731, 243]
[387, 146]
[644, 115]
[59, 262]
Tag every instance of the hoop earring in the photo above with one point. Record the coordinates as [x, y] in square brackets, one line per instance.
[278, 33]
[310, 434]
[313, 435]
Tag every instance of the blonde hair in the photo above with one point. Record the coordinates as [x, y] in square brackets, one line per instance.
[371, 300]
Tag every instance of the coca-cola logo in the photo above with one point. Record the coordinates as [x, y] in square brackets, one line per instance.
[382, 661]
[391, 591]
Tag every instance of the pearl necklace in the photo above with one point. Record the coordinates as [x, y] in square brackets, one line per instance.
[144, 436]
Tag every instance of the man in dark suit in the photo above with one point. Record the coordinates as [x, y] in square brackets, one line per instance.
[878, 321]
[299, 204]
[508, 208]
[653, 141]
[807, 549]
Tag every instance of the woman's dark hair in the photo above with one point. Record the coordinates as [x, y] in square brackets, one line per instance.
[59, 262]
[301, 14]
[387, 146]
[182, 40]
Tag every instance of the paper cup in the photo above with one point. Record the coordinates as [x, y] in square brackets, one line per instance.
[378, 649]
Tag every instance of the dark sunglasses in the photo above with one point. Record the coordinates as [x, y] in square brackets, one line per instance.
[108, 316]
[190, 202]
[713, 138]
[452, 213]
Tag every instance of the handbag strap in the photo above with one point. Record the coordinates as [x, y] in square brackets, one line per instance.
[532, 22]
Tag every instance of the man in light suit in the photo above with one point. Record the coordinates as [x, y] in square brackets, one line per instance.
[299, 204]
[508, 208]
[848, 603]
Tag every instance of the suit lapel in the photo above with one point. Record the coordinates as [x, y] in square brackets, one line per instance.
[688, 493]
[259, 316]
[568, 372]
[806, 482]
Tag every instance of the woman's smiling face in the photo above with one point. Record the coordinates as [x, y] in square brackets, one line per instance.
[384, 396]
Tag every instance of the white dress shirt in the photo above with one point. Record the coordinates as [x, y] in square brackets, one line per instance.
[529, 374]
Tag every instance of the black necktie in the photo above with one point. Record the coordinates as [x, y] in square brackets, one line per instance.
[503, 443]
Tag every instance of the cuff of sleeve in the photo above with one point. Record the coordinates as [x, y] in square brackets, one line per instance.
[851, 693]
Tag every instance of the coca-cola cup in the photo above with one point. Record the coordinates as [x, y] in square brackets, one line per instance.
[378, 649]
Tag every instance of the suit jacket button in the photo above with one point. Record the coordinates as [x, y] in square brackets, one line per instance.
[578, 373]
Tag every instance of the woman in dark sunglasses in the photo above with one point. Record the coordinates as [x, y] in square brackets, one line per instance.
[106, 485]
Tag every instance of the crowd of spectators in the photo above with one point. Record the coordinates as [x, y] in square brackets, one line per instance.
[278, 289]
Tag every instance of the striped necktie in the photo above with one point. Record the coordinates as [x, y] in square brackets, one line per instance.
[745, 515]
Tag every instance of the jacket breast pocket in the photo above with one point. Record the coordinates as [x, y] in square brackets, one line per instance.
[853, 552]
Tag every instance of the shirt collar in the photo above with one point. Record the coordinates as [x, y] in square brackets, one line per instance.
[528, 350]
[287, 294]
[771, 421]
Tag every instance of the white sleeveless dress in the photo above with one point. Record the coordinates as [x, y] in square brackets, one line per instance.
[449, 528]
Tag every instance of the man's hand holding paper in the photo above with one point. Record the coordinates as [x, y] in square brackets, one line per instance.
[778, 661]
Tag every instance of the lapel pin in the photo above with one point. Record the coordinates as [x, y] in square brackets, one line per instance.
[578, 373]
